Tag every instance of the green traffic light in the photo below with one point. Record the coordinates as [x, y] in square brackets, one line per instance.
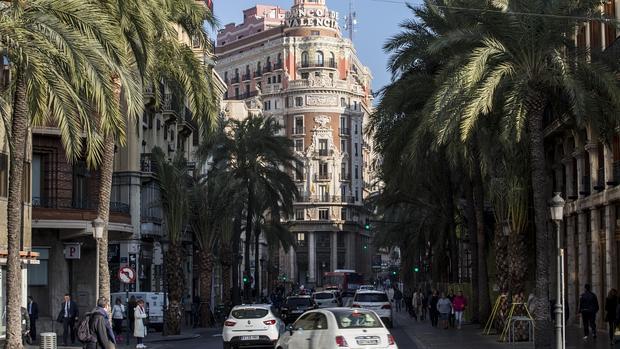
[365, 247]
[367, 226]
[393, 273]
[416, 269]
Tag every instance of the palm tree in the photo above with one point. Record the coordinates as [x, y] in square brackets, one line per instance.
[59, 53]
[149, 31]
[251, 151]
[516, 65]
[174, 180]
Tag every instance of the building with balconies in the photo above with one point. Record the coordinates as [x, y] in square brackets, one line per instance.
[308, 77]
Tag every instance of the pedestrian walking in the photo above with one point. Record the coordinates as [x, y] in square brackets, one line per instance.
[432, 307]
[33, 315]
[415, 305]
[398, 299]
[25, 324]
[450, 296]
[390, 293]
[424, 308]
[99, 327]
[139, 330]
[611, 306]
[588, 307]
[458, 304]
[118, 315]
[131, 306]
[444, 307]
[67, 316]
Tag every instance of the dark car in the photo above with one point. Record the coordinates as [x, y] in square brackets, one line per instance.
[294, 306]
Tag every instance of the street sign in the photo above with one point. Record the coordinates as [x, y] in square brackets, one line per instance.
[127, 275]
[72, 250]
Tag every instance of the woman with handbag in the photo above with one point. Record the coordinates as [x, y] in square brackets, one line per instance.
[139, 329]
[118, 314]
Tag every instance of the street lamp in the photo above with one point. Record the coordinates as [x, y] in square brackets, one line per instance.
[556, 207]
[98, 228]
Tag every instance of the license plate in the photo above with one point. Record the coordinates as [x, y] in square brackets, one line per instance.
[249, 338]
[367, 342]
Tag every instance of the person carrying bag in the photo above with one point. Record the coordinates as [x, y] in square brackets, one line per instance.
[139, 330]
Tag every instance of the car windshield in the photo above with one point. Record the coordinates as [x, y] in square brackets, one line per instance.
[249, 313]
[357, 319]
[324, 295]
[371, 297]
[298, 302]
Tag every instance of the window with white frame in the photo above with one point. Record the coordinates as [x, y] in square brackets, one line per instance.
[323, 214]
[299, 214]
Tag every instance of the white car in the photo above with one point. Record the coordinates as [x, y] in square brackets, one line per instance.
[366, 288]
[334, 328]
[326, 299]
[253, 326]
[376, 301]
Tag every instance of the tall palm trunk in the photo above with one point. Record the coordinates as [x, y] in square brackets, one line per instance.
[483, 277]
[206, 260]
[176, 285]
[451, 227]
[470, 212]
[236, 296]
[226, 260]
[502, 264]
[19, 134]
[103, 208]
[257, 285]
[517, 256]
[535, 109]
[247, 290]
[103, 212]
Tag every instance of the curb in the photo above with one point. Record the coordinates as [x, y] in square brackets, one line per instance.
[174, 338]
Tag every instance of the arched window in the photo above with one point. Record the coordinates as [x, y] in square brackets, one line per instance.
[259, 69]
[320, 59]
[332, 60]
[268, 64]
[304, 59]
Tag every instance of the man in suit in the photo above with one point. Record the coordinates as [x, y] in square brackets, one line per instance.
[33, 314]
[68, 314]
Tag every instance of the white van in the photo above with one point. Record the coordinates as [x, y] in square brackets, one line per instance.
[153, 303]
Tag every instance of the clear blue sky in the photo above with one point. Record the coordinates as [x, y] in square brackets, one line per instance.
[377, 21]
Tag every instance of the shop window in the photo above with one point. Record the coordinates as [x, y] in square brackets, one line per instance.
[38, 273]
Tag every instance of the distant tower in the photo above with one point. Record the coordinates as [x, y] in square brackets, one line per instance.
[350, 21]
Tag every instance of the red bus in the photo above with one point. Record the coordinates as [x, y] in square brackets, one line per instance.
[344, 280]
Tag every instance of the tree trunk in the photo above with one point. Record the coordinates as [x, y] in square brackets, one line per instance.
[257, 285]
[236, 294]
[226, 259]
[176, 285]
[483, 277]
[18, 137]
[103, 212]
[247, 290]
[470, 212]
[544, 334]
[451, 227]
[103, 209]
[206, 261]
[502, 264]
[517, 255]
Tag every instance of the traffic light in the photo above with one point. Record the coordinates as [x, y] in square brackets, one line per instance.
[367, 224]
[365, 246]
[394, 272]
[246, 279]
[416, 269]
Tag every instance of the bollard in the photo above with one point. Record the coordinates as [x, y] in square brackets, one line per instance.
[48, 340]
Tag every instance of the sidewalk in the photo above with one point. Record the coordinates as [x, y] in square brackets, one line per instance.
[471, 337]
[152, 340]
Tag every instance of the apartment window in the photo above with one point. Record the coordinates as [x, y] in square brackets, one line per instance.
[356, 153]
[305, 76]
[247, 70]
[323, 169]
[237, 74]
[343, 214]
[298, 174]
[357, 190]
[343, 124]
[323, 214]
[267, 105]
[299, 215]
[80, 185]
[324, 193]
[247, 91]
[268, 65]
[343, 102]
[237, 92]
[301, 239]
[38, 273]
[226, 77]
[304, 59]
[279, 60]
[259, 68]
[320, 58]
[38, 176]
[269, 80]
[275, 104]
[299, 125]
[343, 170]
[4, 175]
[165, 132]
[299, 144]
[323, 147]
[343, 145]
[343, 192]
[299, 101]
[355, 128]
[279, 79]
[26, 188]
[332, 60]
[357, 171]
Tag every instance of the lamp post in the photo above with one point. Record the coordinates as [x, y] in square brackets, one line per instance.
[557, 213]
[98, 227]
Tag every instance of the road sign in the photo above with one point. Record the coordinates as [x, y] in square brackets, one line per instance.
[72, 250]
[127, 275]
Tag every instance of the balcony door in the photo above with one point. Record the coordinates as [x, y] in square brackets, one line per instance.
[80, 185]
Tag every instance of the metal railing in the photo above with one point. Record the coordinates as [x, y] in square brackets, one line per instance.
[345, 131]
[234, 80]
[297, 130]
[247, 76]
[318, 64]
[322, 177]
[345, 176]
[326, 199]
[77, 204]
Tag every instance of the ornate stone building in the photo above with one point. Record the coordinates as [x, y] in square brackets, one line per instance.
[296, 66]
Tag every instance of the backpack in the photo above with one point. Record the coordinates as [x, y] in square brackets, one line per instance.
[83, 331]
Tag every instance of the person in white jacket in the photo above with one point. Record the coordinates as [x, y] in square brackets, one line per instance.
[139, 330]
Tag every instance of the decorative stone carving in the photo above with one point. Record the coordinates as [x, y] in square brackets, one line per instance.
[320, 81]
[322, 100]
[323, 121]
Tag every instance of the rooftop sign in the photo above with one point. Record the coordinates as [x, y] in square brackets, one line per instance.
[311, 17]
